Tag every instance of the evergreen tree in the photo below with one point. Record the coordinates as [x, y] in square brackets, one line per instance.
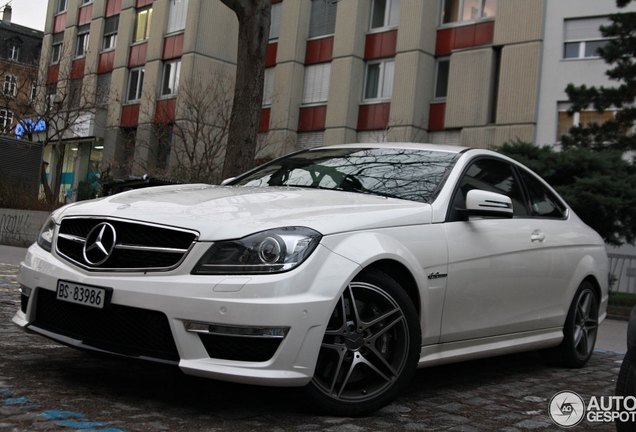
[618, 53]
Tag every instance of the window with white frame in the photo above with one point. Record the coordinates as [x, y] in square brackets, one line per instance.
[384, 13]
[268, 86]
[10, 85]
[468, 10]
[61, 6]
[177, 12]
[82, 41]
[316, 88]
[6, 119]
[170, 79]
[441, 78]
[274, 26]
[583, 38]
[34, 92]
[135, 84]
[378, 80]
[322, 20]
[14, 51]
[567, 120]
[83, 2]
[56, 47]
[111, 26]
[142, 24]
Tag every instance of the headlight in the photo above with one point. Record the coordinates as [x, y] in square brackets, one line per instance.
[45, 238]
[272, 251]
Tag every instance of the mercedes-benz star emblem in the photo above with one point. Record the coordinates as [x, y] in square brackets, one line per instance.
[100, 243]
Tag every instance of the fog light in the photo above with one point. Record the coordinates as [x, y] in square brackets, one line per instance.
[240, 331]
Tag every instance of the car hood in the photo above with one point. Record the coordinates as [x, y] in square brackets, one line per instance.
[226, 212]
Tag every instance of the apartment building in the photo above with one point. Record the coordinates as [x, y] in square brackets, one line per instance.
[468, 72]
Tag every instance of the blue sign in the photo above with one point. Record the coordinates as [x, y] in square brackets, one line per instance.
[29, 126]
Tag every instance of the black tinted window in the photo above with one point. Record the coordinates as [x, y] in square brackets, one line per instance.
[397, 173]
[543, 202]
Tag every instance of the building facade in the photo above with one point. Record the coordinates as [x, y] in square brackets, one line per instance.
[470, 72]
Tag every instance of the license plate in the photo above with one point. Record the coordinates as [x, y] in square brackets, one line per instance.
[92, 296]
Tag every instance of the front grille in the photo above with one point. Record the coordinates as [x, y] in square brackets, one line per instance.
[137, 246]
[241, 348]
[118, 329]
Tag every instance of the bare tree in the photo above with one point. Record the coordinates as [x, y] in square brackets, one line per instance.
[254, 22]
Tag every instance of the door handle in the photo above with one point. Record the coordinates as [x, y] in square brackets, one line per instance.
[537, 236]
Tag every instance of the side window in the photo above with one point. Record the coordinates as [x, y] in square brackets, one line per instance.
[543, 202]
[493, 176]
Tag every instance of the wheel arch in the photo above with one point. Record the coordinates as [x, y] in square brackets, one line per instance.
[402, 275]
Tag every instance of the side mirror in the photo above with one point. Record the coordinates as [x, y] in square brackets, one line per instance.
[488, 204]
[227, 180]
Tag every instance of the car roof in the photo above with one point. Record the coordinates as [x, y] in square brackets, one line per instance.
[400, 145]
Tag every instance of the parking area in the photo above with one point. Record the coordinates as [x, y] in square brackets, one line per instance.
[45, 386]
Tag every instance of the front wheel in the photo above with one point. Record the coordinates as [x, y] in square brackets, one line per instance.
[370, 348]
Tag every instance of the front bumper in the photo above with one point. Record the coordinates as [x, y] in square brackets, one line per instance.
[300, 300]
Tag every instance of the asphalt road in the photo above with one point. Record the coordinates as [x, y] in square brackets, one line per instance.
[45, 386]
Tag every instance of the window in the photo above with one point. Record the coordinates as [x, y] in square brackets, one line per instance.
[61, 6]
[385, 13]
[170, 80]
[583, 37]
[268, 87]
[142, 26]
[543, 203]
[83, 2]
[316, 89]
[75, 93]
[468, 10]
[489, 175]
[56, 48]
[164, 134]
[111, 26]
[82, 41]
[177, 12]
[135, 84]
[10, 85]
[103, 89]
[274, 26]
[14, 52]
[34, 92]
[6, 120]
[323, 18]
[583, 118]
[378, 81]
[441, 78]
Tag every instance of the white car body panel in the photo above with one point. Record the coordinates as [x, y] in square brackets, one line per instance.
[484, 286]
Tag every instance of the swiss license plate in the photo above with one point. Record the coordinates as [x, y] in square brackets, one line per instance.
[86, 295]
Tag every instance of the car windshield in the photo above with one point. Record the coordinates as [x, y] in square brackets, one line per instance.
[408, 174]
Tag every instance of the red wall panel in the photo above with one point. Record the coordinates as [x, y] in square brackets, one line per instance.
[374, 116]
[85, 15]
[77, 68]
[52, 74]
[130, 115]
[113, 7]
[380, 45]
[270, 54]
[142, 3]
[312, 118]
[436, 116]
[264, 124]
[165, 110]
[137, 55]
[173, 46]
[319, 50]
[59, 23]
[468, 36]
[106, 62]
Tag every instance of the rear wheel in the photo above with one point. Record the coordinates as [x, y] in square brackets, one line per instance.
[626, 386]
[580, 329]
[370, 349]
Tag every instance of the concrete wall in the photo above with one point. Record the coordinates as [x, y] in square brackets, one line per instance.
[20, 227]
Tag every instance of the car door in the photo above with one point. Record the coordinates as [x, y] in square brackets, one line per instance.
[495, 264]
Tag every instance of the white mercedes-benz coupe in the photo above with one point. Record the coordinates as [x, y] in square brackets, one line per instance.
[340, 269]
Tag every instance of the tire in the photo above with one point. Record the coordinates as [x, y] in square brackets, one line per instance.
[580, 329]
[626, 386]
[369, 351]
